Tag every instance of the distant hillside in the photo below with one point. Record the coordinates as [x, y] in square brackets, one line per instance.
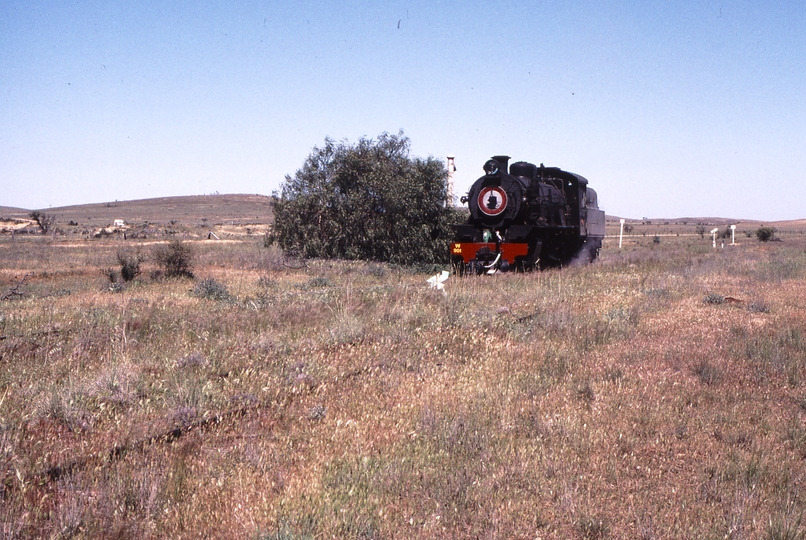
[689, 225]
[696, 220]
[11, 212]
[236, 209]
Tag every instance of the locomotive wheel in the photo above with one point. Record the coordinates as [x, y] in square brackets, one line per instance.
[475, 268]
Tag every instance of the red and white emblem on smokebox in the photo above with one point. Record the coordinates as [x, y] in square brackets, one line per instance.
[492, 200]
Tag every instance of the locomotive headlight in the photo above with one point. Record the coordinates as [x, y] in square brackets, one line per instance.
[491, 167]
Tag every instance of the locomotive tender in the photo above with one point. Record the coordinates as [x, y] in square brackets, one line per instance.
[523, 216]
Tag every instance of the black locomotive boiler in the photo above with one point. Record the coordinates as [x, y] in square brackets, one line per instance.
[523, 216]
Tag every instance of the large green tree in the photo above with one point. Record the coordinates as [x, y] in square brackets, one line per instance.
[369, 200]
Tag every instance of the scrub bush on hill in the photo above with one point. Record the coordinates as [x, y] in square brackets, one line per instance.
[212, 290]
[175, 258]
[369, 200]
[129, 264]
[765, 234]
[43, 220]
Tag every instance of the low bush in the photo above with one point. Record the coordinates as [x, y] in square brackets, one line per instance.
[758, 307]
[713, 298]
[765, 234]
[211, 290]
[111, 274]
[44, 221]
[176, 259]
[129, 264]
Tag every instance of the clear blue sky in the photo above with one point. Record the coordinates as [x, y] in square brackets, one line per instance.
[670, 109]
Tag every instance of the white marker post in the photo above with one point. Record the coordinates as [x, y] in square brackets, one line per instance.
[449, 203]
[621, 234]
[733, 235]
[713, 233]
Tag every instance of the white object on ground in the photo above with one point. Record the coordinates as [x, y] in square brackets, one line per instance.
[436, 281]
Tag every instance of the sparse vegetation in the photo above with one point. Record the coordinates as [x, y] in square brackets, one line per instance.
[344, 399]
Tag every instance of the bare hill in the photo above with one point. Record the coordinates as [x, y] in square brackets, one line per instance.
[12, 212]
[238, 209]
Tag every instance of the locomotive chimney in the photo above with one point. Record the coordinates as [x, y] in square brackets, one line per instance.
[449, 202]
[503, 161]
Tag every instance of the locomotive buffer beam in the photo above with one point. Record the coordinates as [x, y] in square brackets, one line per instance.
[488, 252]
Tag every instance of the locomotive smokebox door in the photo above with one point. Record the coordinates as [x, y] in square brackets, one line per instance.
[492, 200]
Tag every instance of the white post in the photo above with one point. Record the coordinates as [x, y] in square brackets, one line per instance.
[733, 235]
[621, 234]
[713, 233]
[449, 192]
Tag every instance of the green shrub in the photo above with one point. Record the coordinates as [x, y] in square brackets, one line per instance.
[765, 234]
[369, 201]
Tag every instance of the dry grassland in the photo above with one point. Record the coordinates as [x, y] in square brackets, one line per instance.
[658, 393]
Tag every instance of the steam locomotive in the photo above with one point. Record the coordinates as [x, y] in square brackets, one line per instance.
[523, 217]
